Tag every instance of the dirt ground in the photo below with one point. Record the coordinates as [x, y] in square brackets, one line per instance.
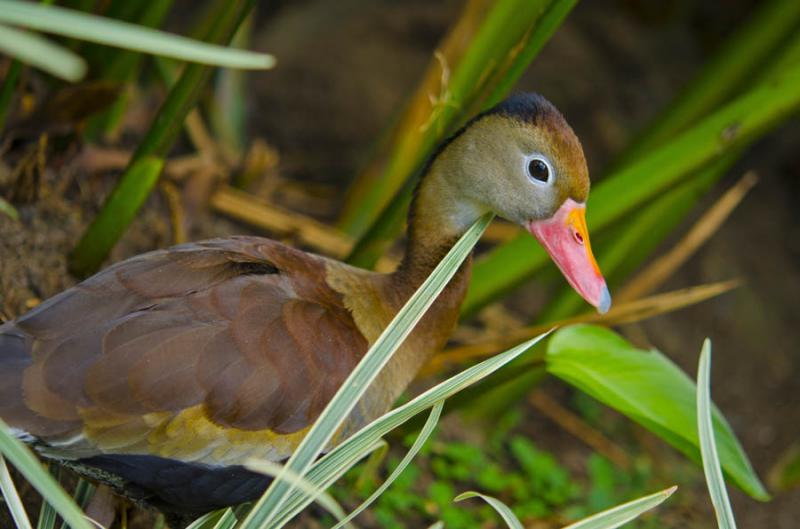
[345, 69]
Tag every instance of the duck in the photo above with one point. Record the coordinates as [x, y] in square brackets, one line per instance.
[160, 375]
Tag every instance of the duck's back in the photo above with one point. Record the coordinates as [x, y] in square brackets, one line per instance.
[206, 353]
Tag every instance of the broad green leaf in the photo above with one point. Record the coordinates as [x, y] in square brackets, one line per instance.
[93, 28]
[708, 445]
[357, 383]
[621, 514]
[424, 435]
[502, 509]
[647, 387]
[23, 459]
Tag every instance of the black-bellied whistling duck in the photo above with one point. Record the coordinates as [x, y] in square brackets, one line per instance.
[161, 374]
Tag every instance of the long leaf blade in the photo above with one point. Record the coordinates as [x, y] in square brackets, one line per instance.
[708, 445]
[11, 497]
[502, 509]
[69, 23]
[621, 514]
[30, 467]
[329, 467]
[36, 51]
[423, 436]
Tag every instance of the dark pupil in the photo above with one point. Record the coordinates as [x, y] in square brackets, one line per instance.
[538, 170]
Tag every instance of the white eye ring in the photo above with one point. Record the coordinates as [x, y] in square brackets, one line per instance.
[539, 169]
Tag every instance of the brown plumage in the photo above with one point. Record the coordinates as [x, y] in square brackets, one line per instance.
[179, 364]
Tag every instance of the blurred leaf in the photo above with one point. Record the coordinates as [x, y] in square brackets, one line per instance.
[785, 474]
[119, 210]
[749, 48]
[647, 387]
[37, 51]
[708, 444]
[130, 193]
[624, 513]
[8, 210]
[69, 23]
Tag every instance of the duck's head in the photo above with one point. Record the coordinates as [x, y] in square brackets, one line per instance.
[523, 161]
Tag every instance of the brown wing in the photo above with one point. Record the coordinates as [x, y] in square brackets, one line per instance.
[181, 352]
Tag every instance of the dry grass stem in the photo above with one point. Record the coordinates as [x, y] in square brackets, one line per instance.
[665, 266]
[573, 424]
[629, 312]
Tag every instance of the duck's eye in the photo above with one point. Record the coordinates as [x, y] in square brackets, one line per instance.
[540, 170]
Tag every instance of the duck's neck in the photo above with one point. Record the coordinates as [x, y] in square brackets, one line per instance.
[438, 217]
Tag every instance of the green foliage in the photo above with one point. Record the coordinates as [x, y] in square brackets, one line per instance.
[69, 23]
[647, 387]
[131, 191]
[23, 459]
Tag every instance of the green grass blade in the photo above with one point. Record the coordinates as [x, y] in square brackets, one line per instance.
[123, 66]
[365, 372]
[621, 514]
[300, 483]
[23, 459]
[344, 455]
[424, 435]
[11, 497]
[219, 519]
[92, 28]
[323, 475]
[83, 493]
[48, 515]
[708, 445]
[728, 129]
[37, 51]
[502, 509]
[130, 193]
[120, 209]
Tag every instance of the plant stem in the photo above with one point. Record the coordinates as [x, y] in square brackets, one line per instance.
[131, 191]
